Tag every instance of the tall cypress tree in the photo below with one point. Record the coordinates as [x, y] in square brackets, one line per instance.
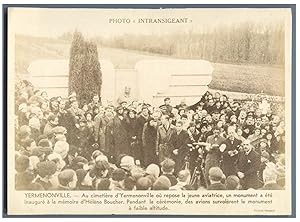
[85, 77]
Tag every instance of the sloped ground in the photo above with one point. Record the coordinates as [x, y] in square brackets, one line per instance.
[226, 77]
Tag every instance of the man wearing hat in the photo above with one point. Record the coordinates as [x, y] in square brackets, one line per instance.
[232, 183]
[166, 107]
[165, 138]
[71, 98]
[140, 123]
[116, 137]
[149, 138]
[242, 118]
[45, 171]
[95, 102]
[117, 179]
[67, 180]
[52, 122]
[161, 183]
[263, 146]
[73, 115]
[236, 108]
[182, 104]
[215, 177]
[167, 168]
[125, 97]
[84, 181]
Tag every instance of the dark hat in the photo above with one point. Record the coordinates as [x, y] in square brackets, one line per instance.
[59, 130]
[118, 175]
[167, 165]
[123, 101]
[103, 184]
[46, 168]
[131, 109]
[197, 122]
[22, 163]
[25, 178]
[81, 173]
[101, 165]
[44, 143]
[119, 108]
[162, 183]
[66, 176]
[144, 106]
[236, 104]
[72, 95]
[152, 178]
[181, 108]
[216, 128]
[78, 162]
[265, 155]
[184, 116]
[250, 114]
[192, 124]
[263, 140]
[129, 183]
[27, 83]
[53, 99]
[204, 122]
[36, 152]
[39, 151]
[35, 99]
[163, 107]
[215, 111]
[46, 150]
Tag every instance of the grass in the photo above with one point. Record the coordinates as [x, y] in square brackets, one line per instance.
[227, 77]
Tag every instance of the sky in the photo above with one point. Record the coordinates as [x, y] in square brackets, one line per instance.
[95, 22]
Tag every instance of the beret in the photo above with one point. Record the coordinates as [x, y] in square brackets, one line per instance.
[46, 168]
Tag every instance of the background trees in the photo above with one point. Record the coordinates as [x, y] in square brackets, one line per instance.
[85, 77]
[245, 43]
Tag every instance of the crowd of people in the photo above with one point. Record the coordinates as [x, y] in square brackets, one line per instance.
[215, 144]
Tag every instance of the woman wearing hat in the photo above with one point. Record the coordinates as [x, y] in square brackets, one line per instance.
[116, 136]
[131, 126]
[149, 138]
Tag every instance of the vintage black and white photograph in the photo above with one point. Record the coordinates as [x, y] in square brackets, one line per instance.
[150, 100]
